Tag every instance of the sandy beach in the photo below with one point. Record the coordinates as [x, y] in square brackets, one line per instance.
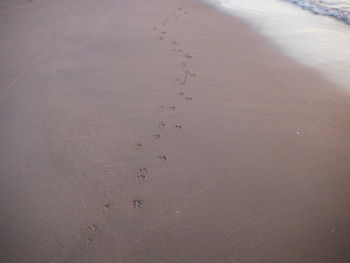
[164, 131]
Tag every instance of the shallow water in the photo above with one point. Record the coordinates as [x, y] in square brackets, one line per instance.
[320, 41]
[337, 9]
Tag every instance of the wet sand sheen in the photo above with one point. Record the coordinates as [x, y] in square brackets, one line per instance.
[164, 131]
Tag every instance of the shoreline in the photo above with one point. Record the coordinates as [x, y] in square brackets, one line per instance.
[165, 131]
[300, 35]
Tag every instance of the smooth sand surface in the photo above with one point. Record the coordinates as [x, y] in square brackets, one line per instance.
[164, 131]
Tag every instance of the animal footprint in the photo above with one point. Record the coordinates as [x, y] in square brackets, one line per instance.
[178, 127]
[156, 136]
[142, 173]
[138, 203]
[185, 79]
[174, 43]
[188, 56]
[180, 93]
[163, 32]
[138, 146]
[188, 98]
[163, 157]
[190, 73]
[161, 125]
[106, 206]
[161, 38]
[92, 228]
[171, 108]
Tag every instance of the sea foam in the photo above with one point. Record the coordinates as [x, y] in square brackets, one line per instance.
[323, 8]
[319, 41]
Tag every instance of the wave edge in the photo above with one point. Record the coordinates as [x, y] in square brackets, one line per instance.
[316, 7]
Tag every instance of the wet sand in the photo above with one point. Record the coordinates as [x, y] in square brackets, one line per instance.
[164, 131]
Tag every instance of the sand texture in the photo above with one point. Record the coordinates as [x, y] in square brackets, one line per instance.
[164, 131]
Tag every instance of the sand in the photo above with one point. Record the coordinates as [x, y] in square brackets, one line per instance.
[164, 131]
